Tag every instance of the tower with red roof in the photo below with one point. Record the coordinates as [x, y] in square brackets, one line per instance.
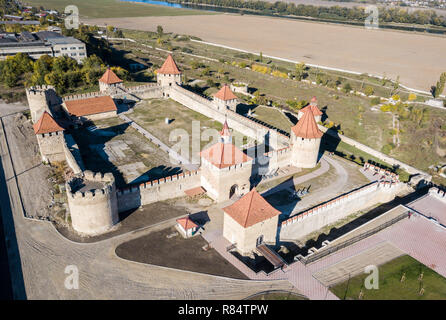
[225, 99]
[313, 108]
[225, 169]
[305, 142]
[249, 222]
[109, 80]
[169, 73]
[50, 137]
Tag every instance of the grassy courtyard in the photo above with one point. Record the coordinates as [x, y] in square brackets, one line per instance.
[392, 288]
[151, 115]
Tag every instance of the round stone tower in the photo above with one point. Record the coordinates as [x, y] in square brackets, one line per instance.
[305, 142]
[93, 203]
[37, 101]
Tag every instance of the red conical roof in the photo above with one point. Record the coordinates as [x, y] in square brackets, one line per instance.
[314, 99]
[109, 77]
[223, 155]
[307, 127]
[251, 209]
[225, 93]
[225, 132]
[169, 66]
[46, 124]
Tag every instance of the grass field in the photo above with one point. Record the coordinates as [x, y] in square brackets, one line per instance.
[392, 288]
[114, 8]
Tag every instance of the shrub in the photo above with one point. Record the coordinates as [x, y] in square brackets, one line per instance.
[369, 90]
[375, 101]
[386, 149]
[412, 96]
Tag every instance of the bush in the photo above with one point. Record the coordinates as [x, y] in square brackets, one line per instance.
[412, 97]
[369, 90]
[386, 149]
[375, 101]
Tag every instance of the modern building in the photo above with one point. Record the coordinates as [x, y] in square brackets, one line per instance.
[41, 43]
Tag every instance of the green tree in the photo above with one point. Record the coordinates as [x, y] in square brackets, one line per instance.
[301, 69]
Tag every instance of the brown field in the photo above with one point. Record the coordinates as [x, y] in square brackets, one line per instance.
[418, 59]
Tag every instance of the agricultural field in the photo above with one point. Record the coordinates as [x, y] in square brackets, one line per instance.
[114, 8]
[399, 279]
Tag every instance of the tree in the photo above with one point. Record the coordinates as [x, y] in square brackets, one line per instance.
[347, 87]
[369, 90]
[437, 90]
[301, 71]
[261, 57]
[159, 31]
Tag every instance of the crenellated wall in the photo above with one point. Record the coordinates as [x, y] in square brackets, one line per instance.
[51, 146]
[92, 203]
[38, 101]
[437, 193]
[338, 208]
[84, 96]
[157, 190]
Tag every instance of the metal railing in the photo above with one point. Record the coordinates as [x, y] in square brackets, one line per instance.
[326, 252]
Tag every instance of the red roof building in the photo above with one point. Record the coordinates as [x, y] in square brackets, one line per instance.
[307, 127]
[109, 77]
[169, 66]
[186, 223]
[90, 106]
[225, 94]
[223, 155]
[225, 132]
[251, 209]
[46, 124]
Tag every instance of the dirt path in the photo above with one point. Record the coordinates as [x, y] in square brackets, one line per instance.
[416, 58]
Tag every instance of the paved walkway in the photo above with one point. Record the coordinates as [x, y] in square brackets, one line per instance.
[173, 154]
[297, 274]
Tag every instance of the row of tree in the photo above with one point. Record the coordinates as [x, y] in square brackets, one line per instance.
[64, 73]
[397, 15]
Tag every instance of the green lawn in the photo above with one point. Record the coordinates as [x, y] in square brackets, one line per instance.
[114, 8]
[390, 285]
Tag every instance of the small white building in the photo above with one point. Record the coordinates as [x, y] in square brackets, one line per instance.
[186, 227]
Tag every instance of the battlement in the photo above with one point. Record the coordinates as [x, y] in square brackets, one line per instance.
[370, 188]
[84, 96]
[277, 152]
[143, 87]
[158, 182]
[393, 176]
[437, 193]
[38, 90]
[90, 185]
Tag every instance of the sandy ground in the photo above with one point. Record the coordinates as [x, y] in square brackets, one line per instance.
[418, 59]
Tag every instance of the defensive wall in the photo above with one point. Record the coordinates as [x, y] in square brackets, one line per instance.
[338, 208]
[73, 155]
[92, 202]
[438, 194]
[157, 190]
[237, 122]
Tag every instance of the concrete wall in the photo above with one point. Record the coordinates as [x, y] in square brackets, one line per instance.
[318, 217]
[96, 211]
[246, 238]
[157, 190]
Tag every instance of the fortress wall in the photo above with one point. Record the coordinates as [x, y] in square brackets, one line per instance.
[95, 211]
[73, 155]
[437, 193]
[51, 146]
[84, 96]
[157, 190]
[318, 217]
[38, 101]
[276, 159]
[377, 154]
[237, 122]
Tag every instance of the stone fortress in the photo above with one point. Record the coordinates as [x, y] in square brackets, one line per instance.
[225, 171]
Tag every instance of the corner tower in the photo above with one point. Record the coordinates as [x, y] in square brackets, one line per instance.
[169, 73]
[109, 81]
[305, 142]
